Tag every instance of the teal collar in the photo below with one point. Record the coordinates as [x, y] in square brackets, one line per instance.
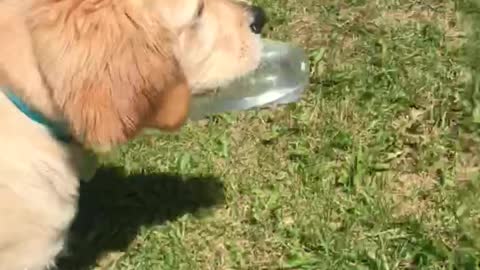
[58, 130]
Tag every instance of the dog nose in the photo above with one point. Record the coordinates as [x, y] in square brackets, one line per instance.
[259, 19]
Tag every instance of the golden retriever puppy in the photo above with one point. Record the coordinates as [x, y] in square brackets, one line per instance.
[82, 75]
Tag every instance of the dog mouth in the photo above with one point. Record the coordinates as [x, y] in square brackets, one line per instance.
[249, 64]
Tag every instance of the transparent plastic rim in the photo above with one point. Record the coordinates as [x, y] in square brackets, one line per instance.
[280, 96]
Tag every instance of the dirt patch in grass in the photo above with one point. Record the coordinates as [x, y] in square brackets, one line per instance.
[410, 195]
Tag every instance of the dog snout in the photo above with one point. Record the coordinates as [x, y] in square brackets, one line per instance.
[259, 19]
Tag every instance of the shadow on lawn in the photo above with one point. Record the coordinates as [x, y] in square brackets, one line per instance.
[113, 208]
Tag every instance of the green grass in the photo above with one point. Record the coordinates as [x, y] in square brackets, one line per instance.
[376, 167]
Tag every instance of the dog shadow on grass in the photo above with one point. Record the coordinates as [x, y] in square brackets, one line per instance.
[113, 207]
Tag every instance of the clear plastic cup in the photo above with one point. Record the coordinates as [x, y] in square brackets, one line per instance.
[281, 78]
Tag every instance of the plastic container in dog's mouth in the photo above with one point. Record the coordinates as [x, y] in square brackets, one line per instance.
[281, 78]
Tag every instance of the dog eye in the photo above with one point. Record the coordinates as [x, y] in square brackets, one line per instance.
[200, 9]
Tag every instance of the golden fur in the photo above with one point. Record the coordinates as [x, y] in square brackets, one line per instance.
[107, 68]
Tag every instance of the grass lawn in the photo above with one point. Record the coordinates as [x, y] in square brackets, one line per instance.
[371, 170]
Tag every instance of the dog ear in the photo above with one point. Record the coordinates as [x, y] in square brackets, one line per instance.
[111, 68]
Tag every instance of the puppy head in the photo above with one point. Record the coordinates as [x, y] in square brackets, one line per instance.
[113, 67]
